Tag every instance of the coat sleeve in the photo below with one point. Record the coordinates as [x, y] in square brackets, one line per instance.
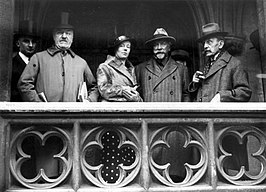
[93, 93]
[106, 88]
[240, 86]
[27, 81]
[185, 94]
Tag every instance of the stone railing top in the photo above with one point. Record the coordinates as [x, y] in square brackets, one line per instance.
[118, 107]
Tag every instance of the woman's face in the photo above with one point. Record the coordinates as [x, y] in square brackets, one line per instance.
[123, 50]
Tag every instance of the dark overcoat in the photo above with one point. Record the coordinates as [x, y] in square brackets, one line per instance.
[167, 85]
[227, 77]
[18, 65]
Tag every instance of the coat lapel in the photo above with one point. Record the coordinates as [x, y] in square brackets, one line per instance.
[151, 67]
[127, 73]
[169, 68]
[220, 63]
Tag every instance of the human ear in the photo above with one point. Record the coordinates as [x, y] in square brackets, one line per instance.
[221, 44]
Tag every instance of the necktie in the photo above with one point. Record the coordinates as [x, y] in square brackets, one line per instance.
[207, 67]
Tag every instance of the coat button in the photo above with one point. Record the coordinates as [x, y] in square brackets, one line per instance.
[149, 77]
[173, 77]
[171, 92]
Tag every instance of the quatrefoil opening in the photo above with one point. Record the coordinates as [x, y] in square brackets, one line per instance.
[41, 156]
[178, 155]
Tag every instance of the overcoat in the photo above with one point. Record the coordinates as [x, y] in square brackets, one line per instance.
[227, 77]
[56, 75]
[167, 85]
[112, 78]
[18, 66]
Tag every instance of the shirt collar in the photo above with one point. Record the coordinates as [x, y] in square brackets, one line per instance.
[54, 50]
[24, 57]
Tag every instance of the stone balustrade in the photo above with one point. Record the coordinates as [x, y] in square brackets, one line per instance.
[132, 147]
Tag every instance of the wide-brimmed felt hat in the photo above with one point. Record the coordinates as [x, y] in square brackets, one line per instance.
[160, 34]
[64, 22]
[118, 41]
[211, 30]
[27, 28]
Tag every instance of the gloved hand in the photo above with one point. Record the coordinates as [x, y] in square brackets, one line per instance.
[131, 94]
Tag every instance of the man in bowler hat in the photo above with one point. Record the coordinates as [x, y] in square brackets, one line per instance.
[223, 78]
[55, 75]
[26, 41]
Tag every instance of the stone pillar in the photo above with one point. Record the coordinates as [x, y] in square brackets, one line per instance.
[261, 11]
[6, 39]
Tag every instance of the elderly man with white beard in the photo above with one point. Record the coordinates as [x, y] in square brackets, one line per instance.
[161, 78]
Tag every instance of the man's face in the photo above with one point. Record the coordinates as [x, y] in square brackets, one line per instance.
[212, 46]
[27, 45]
[63, 38]
[161, 49]
[123, 50]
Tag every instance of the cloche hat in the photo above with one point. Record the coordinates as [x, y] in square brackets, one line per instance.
[211, 30]
[160, 34]
[118, 41]
[27, 28]
[64, 24]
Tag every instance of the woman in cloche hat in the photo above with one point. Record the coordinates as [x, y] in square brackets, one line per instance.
[116, 76]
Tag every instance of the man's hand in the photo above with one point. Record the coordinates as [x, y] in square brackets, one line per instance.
[216, 98]
[197, 77]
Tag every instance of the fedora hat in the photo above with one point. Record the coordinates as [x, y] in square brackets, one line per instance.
[160, 34]
[118, 41]
[211, 30]
[64, 23]
[27, 28]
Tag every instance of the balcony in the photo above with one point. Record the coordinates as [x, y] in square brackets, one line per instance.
[130, 147]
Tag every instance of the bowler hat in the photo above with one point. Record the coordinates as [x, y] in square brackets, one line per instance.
[64, 23]
[180, 55]
[118, 41]
[254, 38]
[160, 34]
[27, 28]
[211, 30]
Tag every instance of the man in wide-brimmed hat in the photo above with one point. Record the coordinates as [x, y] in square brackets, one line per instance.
[55, 75]
[162, 79]
[26, 42]
[223, 78]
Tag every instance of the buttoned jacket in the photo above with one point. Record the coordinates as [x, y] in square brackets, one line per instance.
[226, 77]
[56, 75]
[113, 77]
[166, 85]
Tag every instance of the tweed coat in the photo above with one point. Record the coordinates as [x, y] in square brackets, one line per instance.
[57, 76]
[227, 77]
[168, 85]
[18, 66]
[112, 78]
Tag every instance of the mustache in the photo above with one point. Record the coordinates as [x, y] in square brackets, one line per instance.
[204, 52]
[160, 52]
